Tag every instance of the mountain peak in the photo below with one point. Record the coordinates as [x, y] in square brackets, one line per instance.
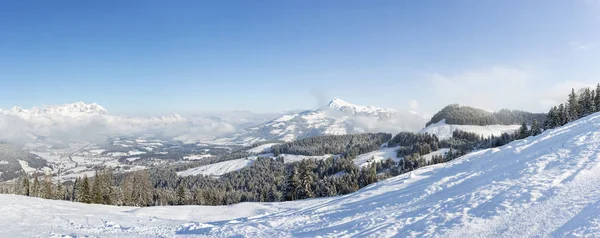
[71, 109]
[338, 104]
[77, 107]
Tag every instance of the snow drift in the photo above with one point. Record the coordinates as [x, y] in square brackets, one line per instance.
[548, 185]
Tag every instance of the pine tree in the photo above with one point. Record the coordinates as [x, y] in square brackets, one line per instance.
[573, 105]
[523, 131]
[563, 112]
[585, 103]
[35, 190]
[97, 193]
[83, 191]
[592, 102]
[142, 191]
[291, 184]
[597, 98]
[535, 128]
[108, 193]
[48, 194]
[181, 195]
[306, 179]
[26, 188]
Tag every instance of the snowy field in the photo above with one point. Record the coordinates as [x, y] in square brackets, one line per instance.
[377, 156]
[444, 131]
[218, 169]
[266, 148]
[544, 186]
[389, 153]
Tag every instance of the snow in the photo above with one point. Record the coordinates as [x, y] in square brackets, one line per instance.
[444, 131]
[136, 152]
[336, 118]
[26, 167]
[441, 152]
[544, 186]
[287, 158]
[383, 154]
[218, 168]
[262, 148]
[197, 157]
[221, 168]
[376, 156]
[341, 105]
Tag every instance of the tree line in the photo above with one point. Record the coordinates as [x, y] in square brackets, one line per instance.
[463, 115]
[347, 145]
[576, 106]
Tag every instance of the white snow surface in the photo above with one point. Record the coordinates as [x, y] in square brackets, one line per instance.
[376, 156]
[265, 148]
[544, 186]
[444, 131]
[218, 169]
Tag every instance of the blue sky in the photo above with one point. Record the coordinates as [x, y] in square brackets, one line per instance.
[270, 56]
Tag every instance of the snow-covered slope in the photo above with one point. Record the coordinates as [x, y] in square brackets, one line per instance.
[389, 153]
[224, 167]
[218, 169]
[444, 131]
[264, 148]
[336, 118]
[546, 186]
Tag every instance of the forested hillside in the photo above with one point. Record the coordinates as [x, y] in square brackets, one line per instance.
[347, 145]
[464, 115]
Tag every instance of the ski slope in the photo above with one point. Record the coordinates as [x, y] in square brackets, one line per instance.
[544, 186]
[218, 169]
[377, 156]
[389, 153]
[265, 148]
[444, 131]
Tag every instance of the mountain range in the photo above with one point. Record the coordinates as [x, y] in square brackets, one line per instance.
[338, 117]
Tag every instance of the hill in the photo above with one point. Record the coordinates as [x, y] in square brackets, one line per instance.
[455, 114]
[547, 185]
[14, 162]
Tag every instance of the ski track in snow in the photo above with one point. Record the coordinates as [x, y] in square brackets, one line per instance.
[544, 186]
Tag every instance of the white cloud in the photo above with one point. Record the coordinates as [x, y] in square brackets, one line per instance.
[413, 104]
[494, 88]
[501, 87]
[26, 126]
[580, 46]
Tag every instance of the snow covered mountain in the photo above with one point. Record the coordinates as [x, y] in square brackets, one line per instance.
[543, 186]
[91, 122]
[72, 110]
[336, 118]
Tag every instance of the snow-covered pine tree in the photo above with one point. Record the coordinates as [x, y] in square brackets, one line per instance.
[535, 128]
[35, 189]
[597, 98]
[523, 131]
[26, 187]
[573, 106]
[83, 191]
[97, 193]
